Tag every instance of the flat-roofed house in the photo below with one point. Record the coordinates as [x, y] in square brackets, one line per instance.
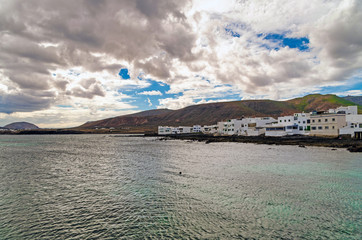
[353, 127]
[327, 124]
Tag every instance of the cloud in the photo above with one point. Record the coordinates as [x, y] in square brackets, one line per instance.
[151, 93]
[23, 102]
[102, 38]
[149, 102]
[60, 117]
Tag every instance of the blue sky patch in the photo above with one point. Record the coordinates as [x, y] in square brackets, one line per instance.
[232, 33]
[124, 73]
[65, 106]
[143, 101]
[342, 88]
[300, 43]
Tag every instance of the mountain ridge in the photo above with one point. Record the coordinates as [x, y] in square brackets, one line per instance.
[210, 113]
[355, 99]
[21, 126]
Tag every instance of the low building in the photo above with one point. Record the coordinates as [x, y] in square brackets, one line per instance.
[185, 129]
[210, 129]
[245, 126]
[282, 130]
[298, 124]
[353, 127]
[255, 126]
[327, 124]
[196, 128]
[165, 130]
[349, 110]
[230, 127]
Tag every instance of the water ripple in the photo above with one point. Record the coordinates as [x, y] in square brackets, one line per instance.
[98, 187]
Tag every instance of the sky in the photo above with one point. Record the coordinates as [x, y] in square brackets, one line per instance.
[63, 63]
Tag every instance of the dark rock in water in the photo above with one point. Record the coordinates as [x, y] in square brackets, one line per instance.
[302, 146]
[21, 126]
[333, 149]
[355, 149]
[180, 173]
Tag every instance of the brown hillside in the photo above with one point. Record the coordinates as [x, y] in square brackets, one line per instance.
[211, 113]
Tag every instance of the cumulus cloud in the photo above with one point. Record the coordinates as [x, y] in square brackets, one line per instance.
[149, 102]
[151, 93]
[70, 52]
[38, 38]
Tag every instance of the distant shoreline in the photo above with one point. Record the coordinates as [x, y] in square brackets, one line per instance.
[72, 131]
[301, 141]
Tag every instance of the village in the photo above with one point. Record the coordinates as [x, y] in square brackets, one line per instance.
[342, 121]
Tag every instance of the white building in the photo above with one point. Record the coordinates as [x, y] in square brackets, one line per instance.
[245, 126]
[299, 123]
[230, 127]
[353, 127]
[349, 110]
[185, 129]
[210, 129]
[255, 126]
[165, 130]
[279, 130]
[196, 128]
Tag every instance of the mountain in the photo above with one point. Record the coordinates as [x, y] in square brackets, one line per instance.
[148, 113]
[355, 99]
[320, 102]
[21, 125]
[211, 113]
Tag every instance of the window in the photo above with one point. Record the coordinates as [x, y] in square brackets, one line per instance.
[300, 128]
[313, 120]
[308, 121]
[314, 128]
[285, 120]
[288, 120]
[280, 121]
[303, 122]
[319, 120]
[332, 127]
[360, 125]
[333, 119]
[326, 127]
[326, 120]
[320, 128]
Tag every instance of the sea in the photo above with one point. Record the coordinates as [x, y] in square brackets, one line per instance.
[133, 187]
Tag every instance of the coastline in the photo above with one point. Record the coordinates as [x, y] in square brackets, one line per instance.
[351, 145]
[301, 141]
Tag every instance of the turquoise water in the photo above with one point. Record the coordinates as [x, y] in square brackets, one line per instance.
[107, 187]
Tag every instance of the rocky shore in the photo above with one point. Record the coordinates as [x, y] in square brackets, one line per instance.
[352, 145]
